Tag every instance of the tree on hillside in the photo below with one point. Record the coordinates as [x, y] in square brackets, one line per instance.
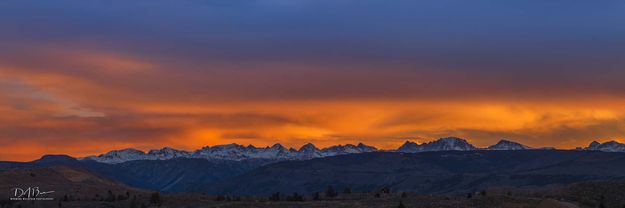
[110, 196]
[330, 192]
[275, 197]
[295, 197]
[316, 196]
[401, 205]
[133, 203]
[121, 197]
[347, 190]
[155, 199]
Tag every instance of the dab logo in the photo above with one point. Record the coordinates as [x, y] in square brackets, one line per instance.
[30, 194]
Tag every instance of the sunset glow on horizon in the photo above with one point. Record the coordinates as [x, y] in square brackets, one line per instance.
[148, 75]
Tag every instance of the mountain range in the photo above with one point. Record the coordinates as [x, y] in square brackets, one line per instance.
[277, 152]
[430, 172]
[439, 172]
[442, 166]
[233, 152]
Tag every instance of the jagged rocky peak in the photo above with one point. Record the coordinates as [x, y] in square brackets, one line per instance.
[442, 144]
[278, 146]
[164, 150]
[347, 149]
[339, 150]
[123, 152]
[308, 147]
[593, 145]
[366, 148]
[409, 143]
[308, 151]
[508, 145]
[168, 153]
[452, 140]
[408, 146]
[335, 148]
[228, 146]
[448, 143]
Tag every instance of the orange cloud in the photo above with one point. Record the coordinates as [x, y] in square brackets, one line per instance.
[84, 102]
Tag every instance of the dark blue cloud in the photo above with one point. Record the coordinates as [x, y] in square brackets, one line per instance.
[543, 43]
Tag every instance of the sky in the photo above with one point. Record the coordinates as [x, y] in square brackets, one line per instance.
[82, 77]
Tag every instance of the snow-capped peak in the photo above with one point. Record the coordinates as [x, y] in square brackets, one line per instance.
[366, 148]
[232, 152]
[611, 146]
[593, 145]
[442, 144]
[346, 149]
[308, 151]
[448, 143]
[278, 152]
[278, 146]
[508, 145]
[119, 156]
[408, 146]
[167, 153]
[308, 148]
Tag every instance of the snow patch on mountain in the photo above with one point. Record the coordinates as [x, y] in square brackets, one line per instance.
[167, 153]
[120, 156]
[408, 147]
[239, 152]
[277, 152]
[234, 152]
[611, 146]
[508, 145]
[443, 144]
